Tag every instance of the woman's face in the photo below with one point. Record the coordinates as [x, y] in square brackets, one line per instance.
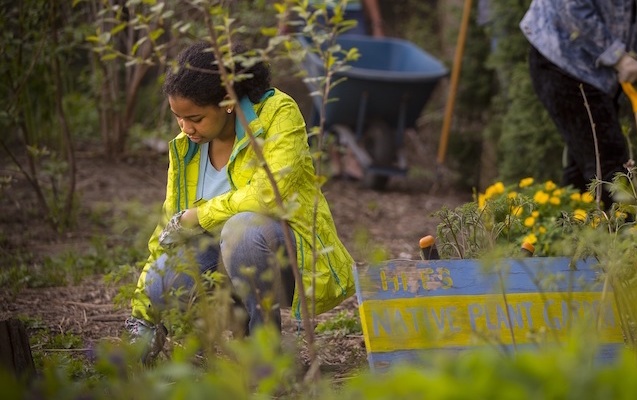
[202, 124]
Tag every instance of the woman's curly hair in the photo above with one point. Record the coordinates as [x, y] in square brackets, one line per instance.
[197, 77]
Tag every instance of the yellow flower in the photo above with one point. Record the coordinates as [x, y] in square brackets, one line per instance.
[620, 215]
[529, 222]
[530, 238]
[526, 182]
[554, 200]
[541, 197]
[512, 195]
[541, 230]
[557, 192]
[576, 196]
[517, 211]
[587, 197]
[549, 185]
[535, 214]
[579, 215]
[495, 189]
[595, 221]
[482, 201]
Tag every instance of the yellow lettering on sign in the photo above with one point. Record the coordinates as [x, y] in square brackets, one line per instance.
[456, 321]
[428, 279]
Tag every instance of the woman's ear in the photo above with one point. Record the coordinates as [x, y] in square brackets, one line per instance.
[229, 105]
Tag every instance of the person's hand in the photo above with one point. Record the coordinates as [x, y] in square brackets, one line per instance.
[626, 69]
[189, 218]
[182, 226]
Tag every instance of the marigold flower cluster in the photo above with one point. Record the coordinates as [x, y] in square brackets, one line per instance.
[533, 212]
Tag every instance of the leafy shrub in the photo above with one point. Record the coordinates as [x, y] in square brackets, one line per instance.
[564, 373]
[257, 369]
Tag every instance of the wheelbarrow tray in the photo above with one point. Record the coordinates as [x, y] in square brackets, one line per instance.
[392, 80]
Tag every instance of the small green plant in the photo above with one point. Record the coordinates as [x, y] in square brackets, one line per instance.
[63, 350]
[342, 323]
[65, 341]
[71, 266]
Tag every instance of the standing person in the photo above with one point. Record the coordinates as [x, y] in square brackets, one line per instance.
[220, 204]
[589, 43]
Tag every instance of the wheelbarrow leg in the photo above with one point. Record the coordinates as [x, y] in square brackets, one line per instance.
[400, 134]
[346, 138]
[400, 128]
[360, 118]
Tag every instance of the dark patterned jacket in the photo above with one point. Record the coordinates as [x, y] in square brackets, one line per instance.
[585, 38]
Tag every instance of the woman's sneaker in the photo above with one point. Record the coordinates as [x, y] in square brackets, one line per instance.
[151, 336]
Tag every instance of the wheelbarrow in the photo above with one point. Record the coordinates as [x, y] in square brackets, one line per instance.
[383, 94]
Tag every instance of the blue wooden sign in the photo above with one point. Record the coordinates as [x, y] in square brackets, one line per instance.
[409, 308]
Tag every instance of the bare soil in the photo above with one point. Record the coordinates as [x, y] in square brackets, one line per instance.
[393, 219]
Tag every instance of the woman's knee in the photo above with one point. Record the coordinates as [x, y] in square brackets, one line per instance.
[250, 229]
[251, 239]
[155, 281]
[166, 275]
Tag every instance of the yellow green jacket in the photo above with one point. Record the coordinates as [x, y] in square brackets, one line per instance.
[279, 126]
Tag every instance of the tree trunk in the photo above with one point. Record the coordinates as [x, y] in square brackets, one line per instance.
[15, 352]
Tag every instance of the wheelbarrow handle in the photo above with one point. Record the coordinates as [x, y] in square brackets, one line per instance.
[631, 92]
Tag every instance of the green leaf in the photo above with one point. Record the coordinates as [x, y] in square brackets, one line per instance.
[137, 44]
[269, 32]
[184, 28]
[118, 28]
[109, 57]
[154, 35]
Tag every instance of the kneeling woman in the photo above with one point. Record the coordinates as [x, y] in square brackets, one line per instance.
[220, 205]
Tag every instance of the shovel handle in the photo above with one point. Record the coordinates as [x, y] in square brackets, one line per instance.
[630, 91]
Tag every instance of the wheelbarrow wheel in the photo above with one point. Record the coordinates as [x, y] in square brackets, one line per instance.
[381, 145]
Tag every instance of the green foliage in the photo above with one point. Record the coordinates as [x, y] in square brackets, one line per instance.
[477, 82]
[415, 20]
[62, 351]
[342, 323]
[69, 267]
[254, 368]
[36, 93]
[529, 140]
[257, 368]
[129, 227]
[82, 110]
[556, 373]
[64, 341]
[495, 91]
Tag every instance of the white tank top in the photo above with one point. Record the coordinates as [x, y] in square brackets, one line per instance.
[211, 182]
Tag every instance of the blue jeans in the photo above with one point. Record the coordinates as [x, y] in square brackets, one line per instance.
[247, 240]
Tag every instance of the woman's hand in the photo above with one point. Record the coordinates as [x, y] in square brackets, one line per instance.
[180, 228]
[189, 218]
